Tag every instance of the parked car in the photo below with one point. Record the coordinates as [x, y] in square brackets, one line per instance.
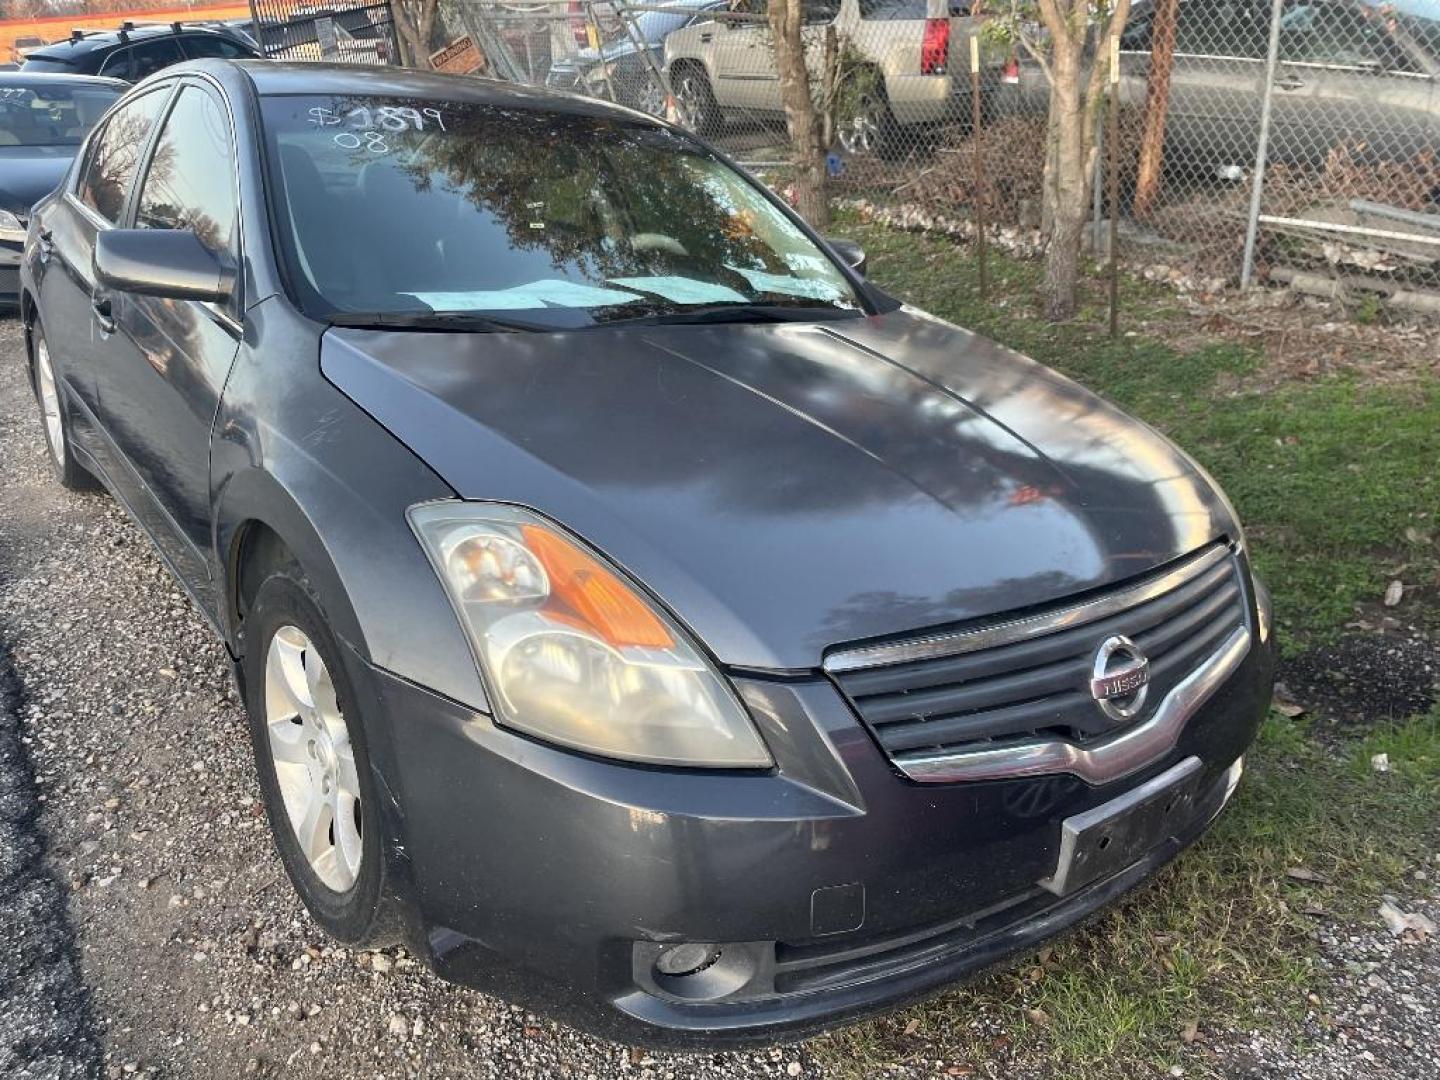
[133, 52]
[638, 613]
[624, 68]
[23, 46]
[1357, 72]
[911, 67]
[43, 119]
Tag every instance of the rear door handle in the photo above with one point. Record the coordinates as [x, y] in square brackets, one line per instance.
[1291, 82]
[104, 312]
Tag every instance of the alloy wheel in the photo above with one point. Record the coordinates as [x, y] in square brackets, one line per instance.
[49, 401]
[314, 759]
[860, 134]
[651, 100]
[690, 103]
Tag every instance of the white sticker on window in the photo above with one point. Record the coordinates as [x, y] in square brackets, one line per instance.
[682, 290]
[536, 294]
[761, 281]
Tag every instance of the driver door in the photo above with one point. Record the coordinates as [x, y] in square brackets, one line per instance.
[164, 373]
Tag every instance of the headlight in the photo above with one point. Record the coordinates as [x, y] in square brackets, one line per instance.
[12, 226]
[572, 652]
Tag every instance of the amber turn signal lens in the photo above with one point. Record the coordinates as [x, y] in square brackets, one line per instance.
[595, 596]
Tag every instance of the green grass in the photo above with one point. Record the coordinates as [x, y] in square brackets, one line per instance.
[1327, 476]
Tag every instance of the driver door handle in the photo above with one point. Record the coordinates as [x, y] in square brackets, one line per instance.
[104, 312]
[1291, 82]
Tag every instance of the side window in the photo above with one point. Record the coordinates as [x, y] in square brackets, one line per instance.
[191, 180]
[119, 65]
[1328, 33]
[150, 56]
[198, 46]
[1228, 28]
[819, 12]
[1134, 38]
[115, 153]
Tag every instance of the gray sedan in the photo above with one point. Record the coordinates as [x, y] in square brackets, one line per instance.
[638, 613]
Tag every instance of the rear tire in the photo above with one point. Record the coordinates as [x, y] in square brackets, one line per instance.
[695, 101]
[314, 765]
[872, 128]
[55, 417]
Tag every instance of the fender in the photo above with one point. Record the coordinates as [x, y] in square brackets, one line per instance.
[322, 468]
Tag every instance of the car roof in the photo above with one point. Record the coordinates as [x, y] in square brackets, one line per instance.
[109, 39]
[59, 78]
[274, 78]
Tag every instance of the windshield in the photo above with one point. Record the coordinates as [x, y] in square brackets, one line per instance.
[398, 206]
[45, 115]
[654, 26]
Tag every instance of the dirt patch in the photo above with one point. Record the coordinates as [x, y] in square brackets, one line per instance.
[1365, 679]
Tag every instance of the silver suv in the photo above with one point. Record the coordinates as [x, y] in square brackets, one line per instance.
[910, 59]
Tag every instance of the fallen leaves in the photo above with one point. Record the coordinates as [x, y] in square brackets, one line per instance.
[1394, 593]
[1408, 925]
[1304, 873]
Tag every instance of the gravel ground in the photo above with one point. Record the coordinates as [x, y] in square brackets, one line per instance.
[45, 1028]
[200, 961]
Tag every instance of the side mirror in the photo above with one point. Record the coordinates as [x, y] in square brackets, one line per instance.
[850, 252]
[170, 263]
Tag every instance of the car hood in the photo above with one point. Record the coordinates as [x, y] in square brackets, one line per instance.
[786, 487]
[29, 173]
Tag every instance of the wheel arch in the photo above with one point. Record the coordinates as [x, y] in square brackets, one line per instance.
[260, 526]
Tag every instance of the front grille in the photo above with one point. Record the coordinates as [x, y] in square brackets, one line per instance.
[1028, 679]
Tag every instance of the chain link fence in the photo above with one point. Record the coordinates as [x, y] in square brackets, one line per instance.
[931, 117]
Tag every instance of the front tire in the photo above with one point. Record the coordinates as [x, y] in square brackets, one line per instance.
[50, 396]
[313, 763]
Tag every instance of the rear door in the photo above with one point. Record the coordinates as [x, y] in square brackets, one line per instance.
[1347, 79]
[163, 375]
[64, 274]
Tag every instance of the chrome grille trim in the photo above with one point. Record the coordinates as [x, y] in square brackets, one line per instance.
[1099, 764]
[937, 646]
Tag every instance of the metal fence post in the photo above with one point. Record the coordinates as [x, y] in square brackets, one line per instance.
[1114, 185]
[1262, 150]
[976, 126]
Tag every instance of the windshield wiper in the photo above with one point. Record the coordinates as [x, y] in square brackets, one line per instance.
[739, 313]
[435, 320]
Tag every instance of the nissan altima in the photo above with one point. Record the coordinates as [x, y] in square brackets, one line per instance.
[639, 614]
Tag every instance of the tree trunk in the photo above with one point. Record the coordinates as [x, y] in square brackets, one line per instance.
[415, 24]
[1157, 106]
[1067, 182]
[801, 117]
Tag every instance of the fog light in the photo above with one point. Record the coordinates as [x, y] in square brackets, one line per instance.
[1264, 610]
[1232, 778]
[687, 959]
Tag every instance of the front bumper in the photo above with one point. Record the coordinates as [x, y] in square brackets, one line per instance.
[842, 888]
